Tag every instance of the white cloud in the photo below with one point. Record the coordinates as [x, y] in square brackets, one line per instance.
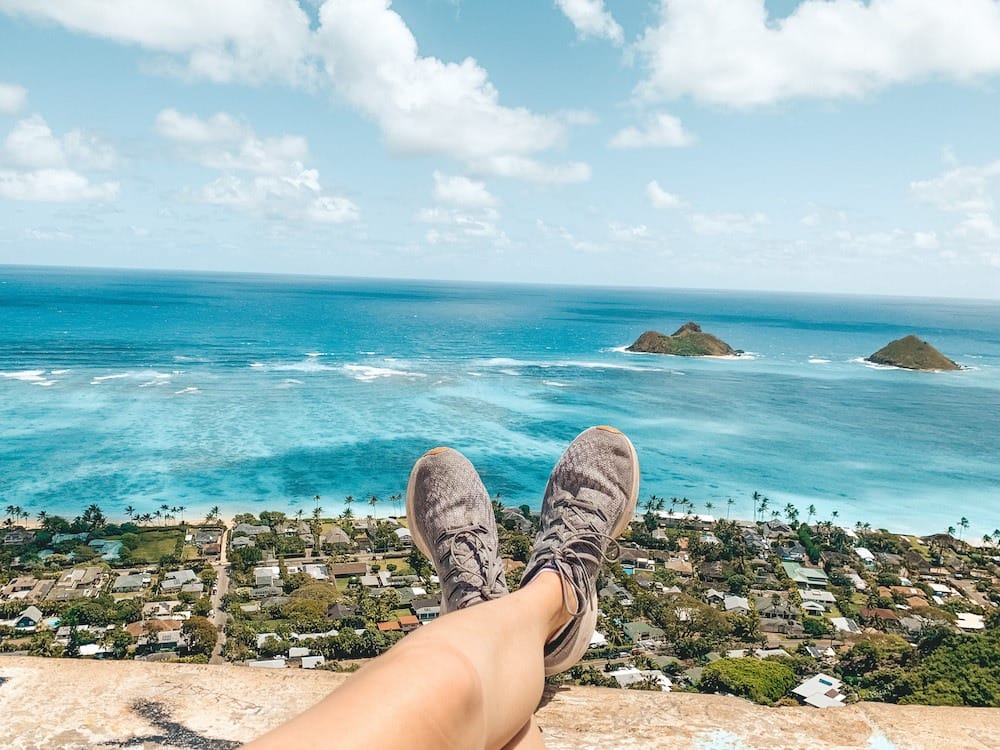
[13, 98]
[453, 226]
[628, 233]
[727, 223]
[422, 104]
[362, 48]
[36, 165]
[461, 191]
[222, 142]
[530, 170]
[925, 240]
[659, 131]
[962, 190]
[47, 234]
[969, 191]
[562, 234]
[660, 198]
[730, 52]
[591, 19]
[222, 41]
[53, 185]
[262, 175]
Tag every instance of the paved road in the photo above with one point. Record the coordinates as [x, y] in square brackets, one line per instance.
[221, 587]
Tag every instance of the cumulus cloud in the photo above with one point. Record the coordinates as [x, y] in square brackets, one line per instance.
[659, 131]
[222, 41]
[660, 198]
[262, 175]
[13, 98]
[361, 48]
[37, 165]
[461, 191]
[591, 19]
[727, 223]
[731, 52]
[423, 105]
[562, 234]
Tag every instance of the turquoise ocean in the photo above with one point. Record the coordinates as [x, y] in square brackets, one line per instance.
[260, 392]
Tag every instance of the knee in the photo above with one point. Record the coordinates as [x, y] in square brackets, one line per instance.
[452, 688]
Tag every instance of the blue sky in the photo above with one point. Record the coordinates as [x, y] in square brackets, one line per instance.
[832, 146]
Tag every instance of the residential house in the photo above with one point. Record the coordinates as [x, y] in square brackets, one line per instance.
[737, 604]
[821, 691]
[639, 631]
[18, 536]
[404, 536]
[130, 582]
[627, 676]
[427, 614]
[28, 619]
[276, 663]
[312, 662]
[805, 576]
[338, 611]
[969, 621]
[239, 542]
[866, 555]
[878, 616]
[174, 580]
[336, 540]
[348, 570]
[819, 596]
[106, 548]
[845, 625]
[775, 607]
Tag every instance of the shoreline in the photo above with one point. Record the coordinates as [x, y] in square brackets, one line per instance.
[228, 513]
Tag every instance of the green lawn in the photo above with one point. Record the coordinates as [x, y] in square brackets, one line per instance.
[155, 543]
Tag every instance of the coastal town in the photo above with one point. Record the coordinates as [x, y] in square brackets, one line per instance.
[783, 608]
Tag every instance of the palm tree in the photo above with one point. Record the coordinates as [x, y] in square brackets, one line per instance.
[42, 518]
[951, 531]
[729, 506]
[964, 525]
[834, 515]
[792, 514]
[213, 512]
[157, 514]
[181, 509]
[317, 512]
[348, 501]
[373, 501]
[810, 512]
[708, 507]
[146, 517]
[395, 499]
[130, 512]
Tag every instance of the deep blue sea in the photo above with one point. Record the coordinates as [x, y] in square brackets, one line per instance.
[252, 392]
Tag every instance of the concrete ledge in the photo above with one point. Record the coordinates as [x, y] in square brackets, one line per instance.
[50, 704]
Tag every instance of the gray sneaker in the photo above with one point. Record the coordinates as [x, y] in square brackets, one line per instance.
[589, 500]
[451, 519]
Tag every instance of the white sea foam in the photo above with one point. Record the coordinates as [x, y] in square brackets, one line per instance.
[513, 373]
[58, 372]
[308, 365]
[555, 384]
[474, 374]
[26, 376]
[190, 389]
[875, 365]
[101, 378]
[367, 373]
[314, 354]
[818, 361]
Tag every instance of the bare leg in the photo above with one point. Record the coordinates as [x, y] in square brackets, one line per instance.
[529, 738]
[471, 679]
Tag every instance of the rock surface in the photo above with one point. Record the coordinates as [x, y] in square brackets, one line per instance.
[63, 704]
[912, 353]
[687, 341]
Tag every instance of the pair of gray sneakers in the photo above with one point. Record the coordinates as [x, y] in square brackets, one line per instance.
[589, 500]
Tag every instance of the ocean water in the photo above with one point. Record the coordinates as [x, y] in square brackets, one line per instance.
[252, 392]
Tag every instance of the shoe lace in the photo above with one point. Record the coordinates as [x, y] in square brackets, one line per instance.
[576, 546]
[473, 571]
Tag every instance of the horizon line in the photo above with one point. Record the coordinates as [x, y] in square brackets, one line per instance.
[539, 284]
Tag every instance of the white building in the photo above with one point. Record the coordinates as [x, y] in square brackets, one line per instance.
[821, 691]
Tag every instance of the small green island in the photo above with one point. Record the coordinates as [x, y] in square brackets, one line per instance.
[687, 341]
[912, 353]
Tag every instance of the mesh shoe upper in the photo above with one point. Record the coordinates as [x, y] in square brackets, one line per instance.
[452, 523]
[589, 500]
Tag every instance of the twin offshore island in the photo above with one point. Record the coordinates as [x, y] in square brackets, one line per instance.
[907, 353]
